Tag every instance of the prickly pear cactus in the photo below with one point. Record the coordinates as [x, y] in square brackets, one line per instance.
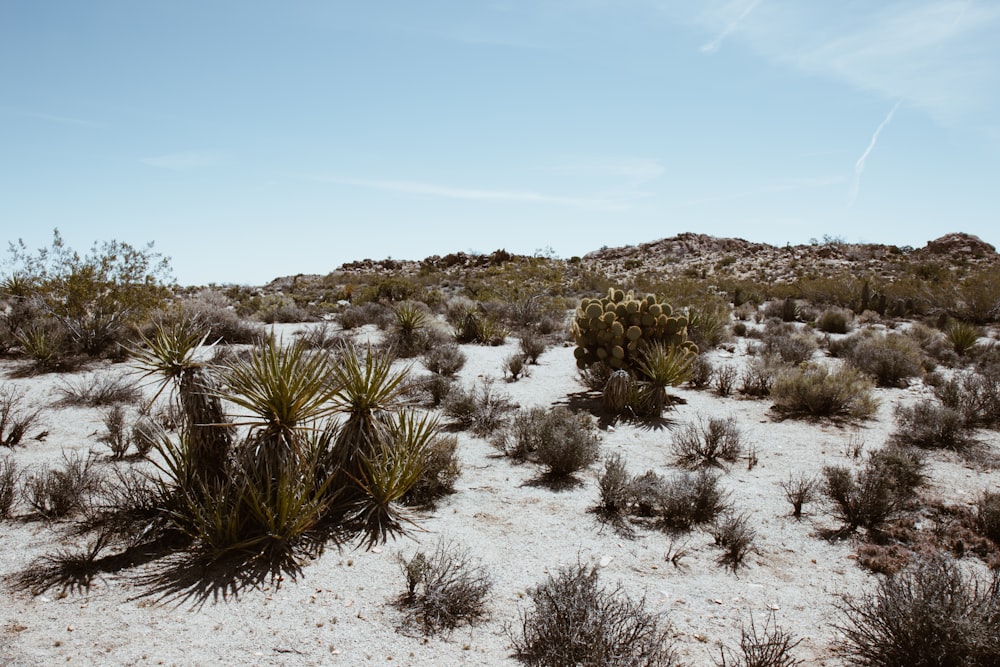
[615, 328]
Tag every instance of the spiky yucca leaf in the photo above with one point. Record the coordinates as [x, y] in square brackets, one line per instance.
[662, 366]
[284, 388]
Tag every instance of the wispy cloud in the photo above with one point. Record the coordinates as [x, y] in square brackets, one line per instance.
[939, 55]
[472, 194]
[859, 166]
[53, 118]
[778, 188]
[184, 161]
[713, 46]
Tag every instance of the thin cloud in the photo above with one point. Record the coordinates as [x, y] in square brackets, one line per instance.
[184, 161]
[790, 186]
[713, 46]
[471, 194]
[939, 55]
[859, 166]
[54, 118]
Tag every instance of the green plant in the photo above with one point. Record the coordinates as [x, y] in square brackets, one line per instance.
[409, 336]
[701, 372]
[94, 298]
[927, 615]
[171, 353]
[708, 323]
[444, 589]
[576, 621]
[962, 336]
[440, 469]
[772, 648]
[704, 445]
[8, 485]
[15, 420]
[659, 367]
[615, 329]
[613, 484]
[816, 391]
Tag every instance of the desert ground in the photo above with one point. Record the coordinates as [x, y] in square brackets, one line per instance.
[339, 608]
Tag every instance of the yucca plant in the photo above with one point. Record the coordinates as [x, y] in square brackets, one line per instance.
[662, 366]
[171, 353]
[286, 390]
[410, 329]
[962, 336]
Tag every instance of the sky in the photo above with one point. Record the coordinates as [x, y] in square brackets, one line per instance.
[251, 139]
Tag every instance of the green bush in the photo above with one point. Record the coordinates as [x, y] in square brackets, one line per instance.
[556, 438]
[96, 298]
[878, 492]
[816, 391]
[835, 320]
[8, 485]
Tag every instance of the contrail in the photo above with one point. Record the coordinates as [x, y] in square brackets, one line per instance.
[713, 46]
[859, 166]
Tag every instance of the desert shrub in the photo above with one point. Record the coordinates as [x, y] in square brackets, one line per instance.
[472, 324]
[878, 492]
[437, 388]
[976, 396]
[613, 485]
[56, 493]
[96, 298]
[438, 474]
[146, 431]
[99, 390]
[688, 500]
[704, 445]
[890, 358]
[708, 323]
[962, 336]
[481, 409]
[799, 490]
[835, 320]
[515, 366]
[444, 589]
[117, 435]
[786, 310]
[646, 492]
[772, 648]
[701, 372]
[979, 297]
[15, 418]
[353, 317]
[930, 425]
[988, 515]
[725, 379]
[213, 314]
[575, 621]
[410, 334]
[758, 377]
[558, 439]
[933, 343]
[8, 485]
[660, 366]
[278, 308]
[322, 336]
[816, 391]
[595, 377]
[531, 345]
[740, 329]
[447, 359]
[927, 615]
[783, 341]
[733, 534]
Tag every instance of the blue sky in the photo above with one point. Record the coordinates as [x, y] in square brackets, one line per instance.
[254, 139]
